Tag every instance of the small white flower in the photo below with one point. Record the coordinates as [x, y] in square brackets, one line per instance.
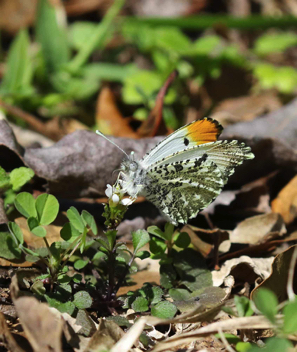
[126, 201]
[115, 199]
[109, 191]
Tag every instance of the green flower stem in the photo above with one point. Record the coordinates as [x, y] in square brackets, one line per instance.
[121, 280]
[73, 247]
[47, 246]
[111, 262]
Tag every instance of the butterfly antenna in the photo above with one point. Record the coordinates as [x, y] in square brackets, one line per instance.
[109, 140]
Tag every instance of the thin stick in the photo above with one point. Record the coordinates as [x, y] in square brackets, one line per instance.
[224, 340]
[290, 291]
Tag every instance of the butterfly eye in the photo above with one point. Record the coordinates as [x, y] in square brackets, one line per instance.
[133, 166]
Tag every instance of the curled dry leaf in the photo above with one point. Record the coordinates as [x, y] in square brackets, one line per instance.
[286, 202]
[259, 228]
[203, 240]
[277, 281]
[243, 269]
[108, 117]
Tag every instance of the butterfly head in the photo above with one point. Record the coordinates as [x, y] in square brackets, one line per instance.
[129, 164]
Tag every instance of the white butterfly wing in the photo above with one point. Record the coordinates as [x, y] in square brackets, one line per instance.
[196, 133]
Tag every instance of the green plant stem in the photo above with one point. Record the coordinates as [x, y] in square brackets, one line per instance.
[121, 280]
[47, 246]
[194, 23]
[73, 247]
[112, 261]
[97, 38]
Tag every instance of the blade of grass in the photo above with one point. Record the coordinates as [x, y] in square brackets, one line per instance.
[97, 38]
[195, 23]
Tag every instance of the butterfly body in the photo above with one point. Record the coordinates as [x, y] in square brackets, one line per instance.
[186, 171]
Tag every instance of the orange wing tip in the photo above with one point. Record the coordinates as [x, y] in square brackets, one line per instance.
[204, 131]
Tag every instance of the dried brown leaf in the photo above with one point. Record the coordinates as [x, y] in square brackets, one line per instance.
[108, 117]
[42, 327]
[107, 335]
[277, 281]
[243, 269]
[286, 202]
[258, 229]
[247, 108]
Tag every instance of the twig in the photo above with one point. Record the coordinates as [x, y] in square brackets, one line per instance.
[224, 340]
[29, 118]
[290, 291]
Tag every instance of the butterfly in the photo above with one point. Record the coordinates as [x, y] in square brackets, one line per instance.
[186, 171]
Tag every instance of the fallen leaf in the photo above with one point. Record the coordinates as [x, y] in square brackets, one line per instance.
[16, 14]
[108, 117]
[277, 281]
[107, 335]
[258, 229]
[246, 108]
[286, 202]
[42, 327]
[243, 269]
[203, 240]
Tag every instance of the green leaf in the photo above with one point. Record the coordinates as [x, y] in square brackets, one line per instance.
[8, 248]
[47, 208]
[154, 230]
[82, 300]
[16, 232]
[80, 264]
[51, 34]
[164, 310]
[67, 307]
[266, 301]
[140, 304]
[139, 239]
[19, 177]
[38, 288]
[4, 179]
[206, 45]
[169, 230]
[270, 43]
[25, 204]
[32, 223]
[98, 37]
[182, 240]
[143, 255]
[179, 294]
[90, 221]
[157, 247]
[243, 305]
[273, 344]
[152, 293]
[241, 346]
[290, 320]
[111, 237]
[39, 231]
[18, 73]
[75, 219]
[69, 232]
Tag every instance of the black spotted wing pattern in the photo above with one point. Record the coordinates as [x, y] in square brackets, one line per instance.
[184, 188]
